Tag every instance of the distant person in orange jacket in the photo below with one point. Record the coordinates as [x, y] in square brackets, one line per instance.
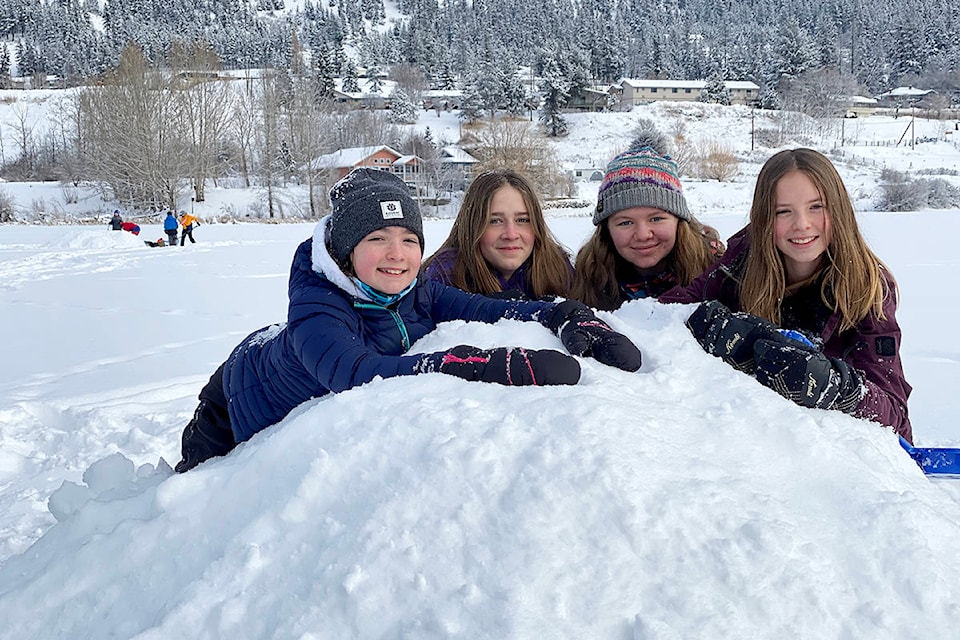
[187, 221]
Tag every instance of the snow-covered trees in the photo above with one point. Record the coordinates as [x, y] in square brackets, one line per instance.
[716, 89]
[562, 73]
[402, 110]
[762, 40]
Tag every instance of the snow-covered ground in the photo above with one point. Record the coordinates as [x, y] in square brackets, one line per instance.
[681, 501]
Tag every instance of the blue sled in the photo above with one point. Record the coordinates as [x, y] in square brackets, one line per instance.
[935, 461]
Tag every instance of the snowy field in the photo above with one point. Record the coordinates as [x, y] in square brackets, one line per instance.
[681, 501]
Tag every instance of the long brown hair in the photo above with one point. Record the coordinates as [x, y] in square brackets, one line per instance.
[549, 272]
[595, 283]
[852, 282]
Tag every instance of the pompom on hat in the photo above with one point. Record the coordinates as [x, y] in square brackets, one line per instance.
[642, 176]
[366, 200]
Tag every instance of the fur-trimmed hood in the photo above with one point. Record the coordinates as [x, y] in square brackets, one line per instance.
[324, 264]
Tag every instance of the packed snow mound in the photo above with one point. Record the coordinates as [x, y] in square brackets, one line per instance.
[681, 501]
[98, 239]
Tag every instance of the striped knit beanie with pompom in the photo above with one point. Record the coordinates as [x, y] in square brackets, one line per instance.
[642, 176]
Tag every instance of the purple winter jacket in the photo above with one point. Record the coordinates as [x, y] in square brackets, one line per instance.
[441, 270]
[872, 347]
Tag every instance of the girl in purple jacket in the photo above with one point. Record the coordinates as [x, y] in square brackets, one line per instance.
[500, 244]
[800, 301]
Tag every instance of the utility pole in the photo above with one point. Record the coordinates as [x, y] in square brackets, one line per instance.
[913, 129]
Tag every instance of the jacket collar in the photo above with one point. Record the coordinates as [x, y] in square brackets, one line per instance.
[323, 263]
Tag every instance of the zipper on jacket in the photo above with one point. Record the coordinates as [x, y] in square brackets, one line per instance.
[401, 327]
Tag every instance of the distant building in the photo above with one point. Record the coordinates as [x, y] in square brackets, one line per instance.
[341, 162]
[367, 97]
[441, 99]
[460, 166]
[860, 106]
[590, 99]
[633, 92]
[904, 96]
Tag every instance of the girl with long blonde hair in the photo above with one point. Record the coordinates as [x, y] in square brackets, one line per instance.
[801, 264]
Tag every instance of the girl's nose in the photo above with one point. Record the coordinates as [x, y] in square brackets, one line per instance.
[801, 220]
[642, 230]
[394, 249]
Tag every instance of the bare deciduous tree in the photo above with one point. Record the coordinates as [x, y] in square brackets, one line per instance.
[515, 144]
[204, 101]
[131, 131]
[268, 143]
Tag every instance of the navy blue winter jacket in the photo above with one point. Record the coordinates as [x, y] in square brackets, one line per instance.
[335, 338]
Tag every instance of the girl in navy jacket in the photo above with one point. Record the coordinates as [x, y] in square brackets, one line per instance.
[356, 306]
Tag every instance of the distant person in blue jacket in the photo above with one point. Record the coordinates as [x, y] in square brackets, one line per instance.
[116, 222]
[170, 226]
[356, 306]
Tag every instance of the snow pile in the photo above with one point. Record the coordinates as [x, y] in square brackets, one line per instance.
[95, 239]
[681, 501]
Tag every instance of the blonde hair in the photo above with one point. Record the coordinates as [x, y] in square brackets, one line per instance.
[852, 281]
[549, 272]
[595, 283]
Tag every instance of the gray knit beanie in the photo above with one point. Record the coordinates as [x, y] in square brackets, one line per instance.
[364, 201]
[642, 176]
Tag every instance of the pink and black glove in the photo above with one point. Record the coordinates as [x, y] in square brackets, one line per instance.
[584, 334]
[510, 366]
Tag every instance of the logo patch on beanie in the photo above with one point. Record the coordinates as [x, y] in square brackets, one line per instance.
[391, 210]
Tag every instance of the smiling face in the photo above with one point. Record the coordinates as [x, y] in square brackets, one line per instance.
[801, 229]
[644, 237]
[509, 237]
[388, 259]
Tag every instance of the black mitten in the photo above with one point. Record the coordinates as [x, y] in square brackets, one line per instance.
[807, 376]
[730, 335]
[512, 366]
[584, 334]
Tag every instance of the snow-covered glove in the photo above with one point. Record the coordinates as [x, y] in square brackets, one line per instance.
[807, 376]
[584, 334]
[511, 366]
[730, 335]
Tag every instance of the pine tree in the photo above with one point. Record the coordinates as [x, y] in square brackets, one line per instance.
[350, 83]
[402, 109]
[555, 87]
[716, 89]
[471, 104]
[374, 81]
[4, 67]
[323, 74]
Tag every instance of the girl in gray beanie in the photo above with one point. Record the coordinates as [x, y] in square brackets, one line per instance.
[356, 307]
[646, 241]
